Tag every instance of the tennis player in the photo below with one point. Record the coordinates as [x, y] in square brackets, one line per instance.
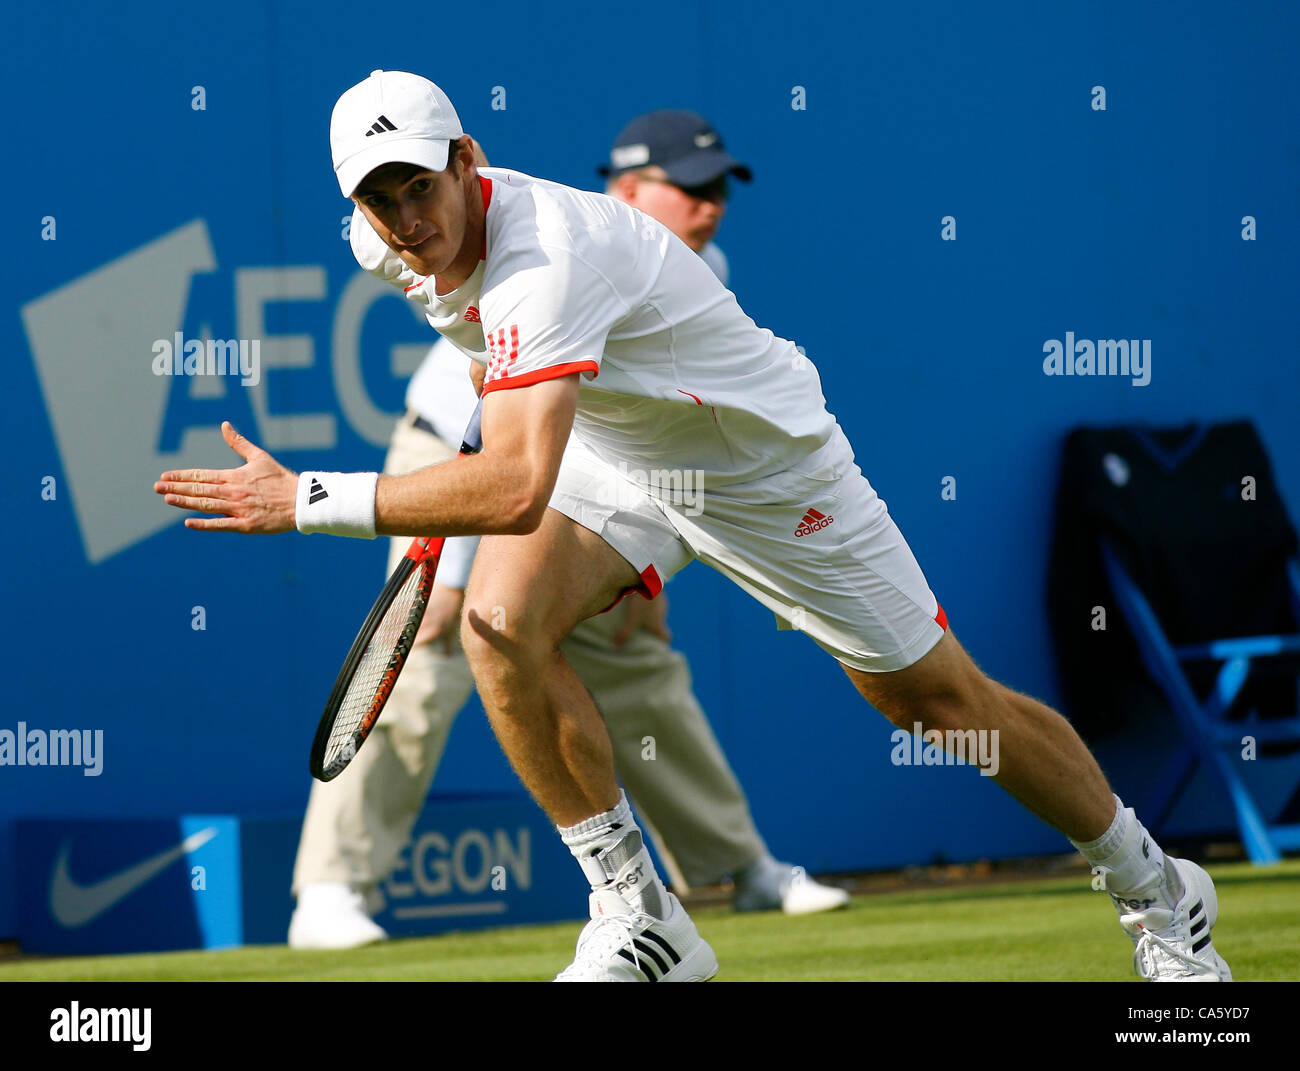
[691, 804]
[615, 364]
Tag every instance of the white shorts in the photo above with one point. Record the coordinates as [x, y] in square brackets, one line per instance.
[816, 546]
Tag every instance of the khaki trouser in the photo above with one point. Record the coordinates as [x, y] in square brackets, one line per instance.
[679, 780]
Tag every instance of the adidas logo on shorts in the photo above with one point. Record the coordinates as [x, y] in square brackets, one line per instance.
[812, 522]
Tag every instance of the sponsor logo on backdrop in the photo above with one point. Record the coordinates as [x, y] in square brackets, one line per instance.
[111, 336]
[73, 904]
[437, 876]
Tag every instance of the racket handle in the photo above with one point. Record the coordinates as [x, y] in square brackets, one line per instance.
[472, 443]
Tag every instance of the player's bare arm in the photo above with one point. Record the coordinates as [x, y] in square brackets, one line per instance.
[501, 491]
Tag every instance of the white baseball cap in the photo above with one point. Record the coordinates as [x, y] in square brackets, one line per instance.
[391, 117]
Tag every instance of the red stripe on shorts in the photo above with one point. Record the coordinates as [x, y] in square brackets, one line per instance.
[650, 582]
[650, 587]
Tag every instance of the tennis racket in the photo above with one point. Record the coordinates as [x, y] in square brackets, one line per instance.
[379, 652]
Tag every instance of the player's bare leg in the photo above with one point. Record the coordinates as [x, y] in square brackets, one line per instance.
[1042, 761]
[1166, 905]
[525, 595]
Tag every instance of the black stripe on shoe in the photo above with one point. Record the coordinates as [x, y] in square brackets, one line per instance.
[664, 945]
[636, 962]
[1201, 943]
[1195, 908]
[650, 953]
[1198, 927]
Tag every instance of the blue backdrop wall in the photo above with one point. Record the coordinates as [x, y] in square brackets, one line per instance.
[134, 213]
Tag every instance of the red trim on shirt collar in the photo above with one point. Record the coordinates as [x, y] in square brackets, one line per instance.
[485, 187]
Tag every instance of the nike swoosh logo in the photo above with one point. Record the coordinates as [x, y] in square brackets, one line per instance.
[75, 905]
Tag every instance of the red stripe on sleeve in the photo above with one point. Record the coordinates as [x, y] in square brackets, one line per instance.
[555, 371]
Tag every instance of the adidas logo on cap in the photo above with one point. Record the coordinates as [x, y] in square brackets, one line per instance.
[382, 125]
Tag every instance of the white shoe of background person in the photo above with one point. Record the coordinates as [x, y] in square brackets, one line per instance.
[1173, 944]
[621, 944]
[332, 915]
[767, 885]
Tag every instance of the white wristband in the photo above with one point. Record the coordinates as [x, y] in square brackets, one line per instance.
[337, 503]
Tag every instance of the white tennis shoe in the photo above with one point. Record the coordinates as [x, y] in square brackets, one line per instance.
[771, 886]
[332, 915]
[621, 944]
[1174, 945]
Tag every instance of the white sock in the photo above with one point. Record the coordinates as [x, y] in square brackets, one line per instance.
[1137, 874]
[612, 853]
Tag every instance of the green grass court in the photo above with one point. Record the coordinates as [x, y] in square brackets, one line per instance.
[1042, 930]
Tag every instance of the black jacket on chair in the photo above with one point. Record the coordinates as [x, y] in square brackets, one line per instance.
[1195, 516]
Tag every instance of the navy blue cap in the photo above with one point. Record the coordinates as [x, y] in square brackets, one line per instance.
[682, 143]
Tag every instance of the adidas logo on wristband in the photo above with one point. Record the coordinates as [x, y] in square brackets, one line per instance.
[346, 509]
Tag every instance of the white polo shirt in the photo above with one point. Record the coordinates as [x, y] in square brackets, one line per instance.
[675, 375]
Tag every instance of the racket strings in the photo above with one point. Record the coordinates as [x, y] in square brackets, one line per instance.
[377, 671]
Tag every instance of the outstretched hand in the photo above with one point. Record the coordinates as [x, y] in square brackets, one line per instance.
[258, 497]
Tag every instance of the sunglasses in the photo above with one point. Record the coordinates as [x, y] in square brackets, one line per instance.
[717, 190]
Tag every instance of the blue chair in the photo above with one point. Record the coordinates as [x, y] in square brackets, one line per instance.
[1208, 736]
[1184, 532]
